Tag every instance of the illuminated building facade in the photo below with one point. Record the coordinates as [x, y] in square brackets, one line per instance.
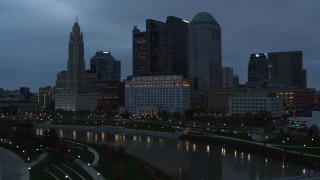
[147, 95]
[295, 100]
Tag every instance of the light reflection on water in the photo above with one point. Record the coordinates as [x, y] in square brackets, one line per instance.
[196, 160]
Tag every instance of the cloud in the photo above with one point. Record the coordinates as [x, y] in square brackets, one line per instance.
[34, 33]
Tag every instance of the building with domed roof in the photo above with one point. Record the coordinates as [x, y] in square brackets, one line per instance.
[204, 54]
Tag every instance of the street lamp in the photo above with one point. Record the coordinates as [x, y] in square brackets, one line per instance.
[282, 167]
[98, 175]
[89, 168]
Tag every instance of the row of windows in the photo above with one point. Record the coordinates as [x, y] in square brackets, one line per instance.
[245, 111]
[252, 107]
[249, 99]
[249, 103]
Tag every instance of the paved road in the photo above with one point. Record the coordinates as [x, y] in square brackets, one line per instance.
[12, 166]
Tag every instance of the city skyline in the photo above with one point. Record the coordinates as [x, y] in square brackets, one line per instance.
[34, 41]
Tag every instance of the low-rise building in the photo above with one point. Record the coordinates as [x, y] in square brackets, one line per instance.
[147, 95]
[75, 101]
[254, 103]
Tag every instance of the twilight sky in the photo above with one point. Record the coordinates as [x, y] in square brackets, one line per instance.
[34, 34]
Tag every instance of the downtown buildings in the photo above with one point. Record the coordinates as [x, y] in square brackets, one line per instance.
[168, 49]
[175, 47]
[80, 89]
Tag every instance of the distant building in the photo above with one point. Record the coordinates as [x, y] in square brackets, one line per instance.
[105, 66]
[21, 99]
[296, 100]
[236, 80]
[254, 103]
[161, 49]
[147, 95]
[75, 101]
[204, 54]
[227, 77]
[72, 86]
[258, 68]
[217, 100]
[46, 96]
[287, 68]
[107, 92]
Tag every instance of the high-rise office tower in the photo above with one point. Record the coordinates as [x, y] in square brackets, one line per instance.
[204, 52]
[173, 53]
[72, 86]
[146, 48]
[258, 68]
[287, 68]
[105, 66]
[227, 76]
[140, 63]
[76, 64]
[161, 49]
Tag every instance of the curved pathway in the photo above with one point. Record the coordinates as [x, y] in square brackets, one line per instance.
[40, 158]
[94, 152]
[12, 166]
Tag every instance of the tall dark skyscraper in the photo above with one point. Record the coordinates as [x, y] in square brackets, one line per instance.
[287, 68]
[76, 66]
[258, 68]
[140, 64]
[204, 52]
[174, 51]
[105, 66]
[161, 49]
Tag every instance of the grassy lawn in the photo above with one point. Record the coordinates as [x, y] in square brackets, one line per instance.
[51, 163]
[141, 125]
[292, 140]
[114, 163]
[20, 152]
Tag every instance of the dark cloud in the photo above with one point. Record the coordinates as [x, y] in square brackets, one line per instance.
[34, 33]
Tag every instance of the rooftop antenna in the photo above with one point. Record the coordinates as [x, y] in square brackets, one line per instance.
[76, 19]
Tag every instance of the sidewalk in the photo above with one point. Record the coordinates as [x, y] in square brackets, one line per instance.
[90, 170]
[40, 158]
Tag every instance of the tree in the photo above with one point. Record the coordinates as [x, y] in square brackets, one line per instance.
[313, 131]
[51, 138]
[126, 115]
[164, 115]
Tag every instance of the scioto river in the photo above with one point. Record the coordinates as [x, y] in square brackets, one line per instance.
[192, 160]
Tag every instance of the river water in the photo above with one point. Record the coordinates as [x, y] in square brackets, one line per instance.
[192, 160]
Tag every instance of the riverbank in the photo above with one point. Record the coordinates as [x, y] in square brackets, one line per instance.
[109, 129]
[255, 147]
